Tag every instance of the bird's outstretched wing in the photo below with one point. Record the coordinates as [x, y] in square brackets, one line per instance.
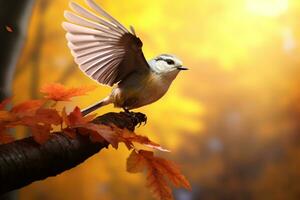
[102, 47]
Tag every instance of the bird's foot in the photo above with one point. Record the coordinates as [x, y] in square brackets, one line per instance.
[137, 117]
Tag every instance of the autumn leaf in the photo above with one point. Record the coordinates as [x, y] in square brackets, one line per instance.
[111, 134]
[41, 133]
[64, 117]
[97, 133]
[6, 116]
[140, 160]
[135, 163]
[106, 132]
[5, 137]
[158, 185]
[70, 132]
[48, 116]
[4, 103]
[76, 118]
[96, 137]
[73, 118]
[32, 115]
[128, 137]
[171, 170]
[158, 170]
[41, 116]
[58, 92]
[27, 107]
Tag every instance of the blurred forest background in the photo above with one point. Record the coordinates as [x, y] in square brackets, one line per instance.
[231, 121]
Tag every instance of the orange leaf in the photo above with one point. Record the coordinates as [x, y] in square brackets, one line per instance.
[41, 133]
[97, 132]
[155, 178]
[48, 116]
[27, 107]
[6, 116]
[106, 132]
[128, 137]
[75, 118]
[5, 137]
[173, 173]
[4, 103]
[41, 116]
[65, 117]
[167, 168]
[58, 92]
[96, 137]
[135, 163]
[70, 132]
[158, 170]
[89, 118]
[158, 185]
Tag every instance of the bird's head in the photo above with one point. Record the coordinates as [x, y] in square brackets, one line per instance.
[166, 64]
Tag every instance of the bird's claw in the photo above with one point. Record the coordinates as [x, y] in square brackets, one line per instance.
[140, 119]
[137, 118]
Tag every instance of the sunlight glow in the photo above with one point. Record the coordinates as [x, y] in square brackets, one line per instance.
[270, 8]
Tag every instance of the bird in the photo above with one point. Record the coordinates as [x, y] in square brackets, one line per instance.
[112, 55]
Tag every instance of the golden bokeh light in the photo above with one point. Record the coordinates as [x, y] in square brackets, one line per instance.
[271, 8]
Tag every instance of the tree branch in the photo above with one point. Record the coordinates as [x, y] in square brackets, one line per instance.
[24, 161]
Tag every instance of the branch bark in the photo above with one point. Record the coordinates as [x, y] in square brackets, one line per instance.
[24, 161]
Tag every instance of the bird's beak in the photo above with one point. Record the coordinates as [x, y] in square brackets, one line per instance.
[182, 68]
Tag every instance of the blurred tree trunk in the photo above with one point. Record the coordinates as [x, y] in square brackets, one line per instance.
[14, 15]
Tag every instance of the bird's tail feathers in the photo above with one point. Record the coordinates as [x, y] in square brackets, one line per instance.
[97, 105]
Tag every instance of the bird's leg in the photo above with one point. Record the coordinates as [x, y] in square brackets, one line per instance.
[138, 117]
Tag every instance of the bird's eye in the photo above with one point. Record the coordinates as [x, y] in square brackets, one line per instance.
[170, 62]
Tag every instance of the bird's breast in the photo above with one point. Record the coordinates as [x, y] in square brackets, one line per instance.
[156, 86]
[147, 90]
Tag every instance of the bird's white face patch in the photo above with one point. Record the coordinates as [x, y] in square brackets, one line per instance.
[165, 63]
